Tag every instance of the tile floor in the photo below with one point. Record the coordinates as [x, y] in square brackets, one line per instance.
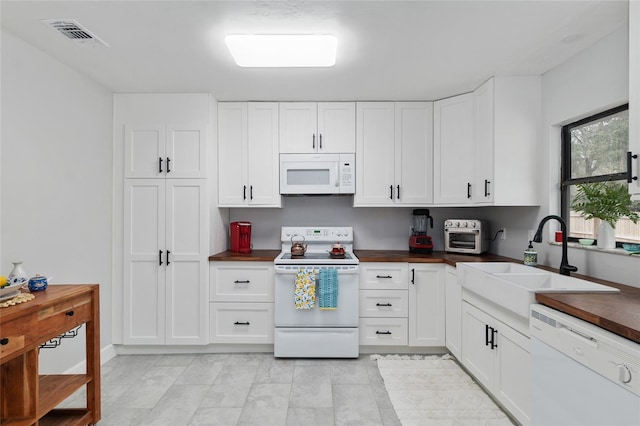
[241, 389]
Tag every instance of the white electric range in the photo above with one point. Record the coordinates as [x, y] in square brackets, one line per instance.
[312, 332]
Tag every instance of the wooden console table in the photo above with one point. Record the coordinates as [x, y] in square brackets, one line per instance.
[28, 398]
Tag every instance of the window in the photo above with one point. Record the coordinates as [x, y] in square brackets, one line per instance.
[594, 150]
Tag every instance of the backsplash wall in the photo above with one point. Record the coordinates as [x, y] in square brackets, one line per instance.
[380, 228]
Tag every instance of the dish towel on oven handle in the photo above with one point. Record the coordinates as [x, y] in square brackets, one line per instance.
[305, 290]
[328, 289]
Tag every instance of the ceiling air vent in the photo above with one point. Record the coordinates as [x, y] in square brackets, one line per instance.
[74, 31]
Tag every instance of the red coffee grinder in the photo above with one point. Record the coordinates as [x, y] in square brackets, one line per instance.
[420, 242]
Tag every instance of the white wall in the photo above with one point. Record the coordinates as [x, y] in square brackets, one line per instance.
[593, 81]
[56, 179]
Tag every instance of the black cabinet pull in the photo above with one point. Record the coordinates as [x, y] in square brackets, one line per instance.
[468, 190]
[630, 176]
[168, 165]
[384, 304]
[168, 253]
[69, 313]
[382, 332]
[241, 282]
[313, 143]
[244, 192]
[391, 192]
[320, 140]
[160, 257]
[486, 335]
[413, 276]
[384, 276]
[241, 323]
[159, 164]
[251, 192]
[398, 194]
[486, 187]
[494, 333]
[4, 341]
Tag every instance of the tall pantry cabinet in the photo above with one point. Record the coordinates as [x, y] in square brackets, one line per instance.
[164, 217]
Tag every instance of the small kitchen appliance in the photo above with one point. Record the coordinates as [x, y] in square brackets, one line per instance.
[470, 236]
[420, 242]
[240, 237]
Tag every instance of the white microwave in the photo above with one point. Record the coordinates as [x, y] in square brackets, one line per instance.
[302, 174]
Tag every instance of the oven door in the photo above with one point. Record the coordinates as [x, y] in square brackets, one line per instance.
[463, 241]
[345, 315]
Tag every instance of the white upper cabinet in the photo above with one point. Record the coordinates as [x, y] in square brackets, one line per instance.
[486, 144]
[309, 127]
[394, 151]
[634, 98]
[165, 151]
[453, 149]
[248, 154]
[515, 147]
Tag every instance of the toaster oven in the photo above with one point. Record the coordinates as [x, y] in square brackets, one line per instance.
[470, 236]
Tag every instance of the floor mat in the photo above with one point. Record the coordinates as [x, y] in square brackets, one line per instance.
[434, 390]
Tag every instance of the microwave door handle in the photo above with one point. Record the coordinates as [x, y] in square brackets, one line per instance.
[337, 171]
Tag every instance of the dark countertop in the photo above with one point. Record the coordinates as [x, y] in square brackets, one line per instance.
[618, 313]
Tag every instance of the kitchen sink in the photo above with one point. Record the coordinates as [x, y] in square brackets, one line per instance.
[513, 286]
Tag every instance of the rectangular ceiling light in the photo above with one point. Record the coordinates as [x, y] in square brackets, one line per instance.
[282, 50]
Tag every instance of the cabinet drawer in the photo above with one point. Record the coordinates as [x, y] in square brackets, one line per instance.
[14, 336]
[241, 322]
[252, 283]
[384, 303]
[384, 275]
[384, 331]
[61, 317]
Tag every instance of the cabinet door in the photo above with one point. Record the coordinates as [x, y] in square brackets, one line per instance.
[375, 176]
[414, 152]
[426, 305]
[453, 310]
[186, 261]
[263, 161]
[144, 261]
[477, 356]
[483, 184]
[145, 151]
[298, 127]
[453, 148]
[514, 370]
[634, 95]
[337, 127]
[232, 154]
[186, 151]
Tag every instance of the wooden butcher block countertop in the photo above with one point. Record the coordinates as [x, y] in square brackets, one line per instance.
[618, 313]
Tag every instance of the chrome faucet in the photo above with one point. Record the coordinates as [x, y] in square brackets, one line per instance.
[565, 268]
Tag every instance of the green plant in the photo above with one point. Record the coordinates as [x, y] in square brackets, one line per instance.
[607, 201]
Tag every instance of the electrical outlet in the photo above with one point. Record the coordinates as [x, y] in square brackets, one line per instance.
[503, 234]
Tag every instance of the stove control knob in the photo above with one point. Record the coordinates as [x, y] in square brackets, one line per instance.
[449, 223]
[624, 374]
[473, 224]
[465, 224]
[458, 224]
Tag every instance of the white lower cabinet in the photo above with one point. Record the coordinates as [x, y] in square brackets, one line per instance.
[241, 322]
[241, 308]
[426, 304]
[453, 312]
[498, 357]
[384, 306]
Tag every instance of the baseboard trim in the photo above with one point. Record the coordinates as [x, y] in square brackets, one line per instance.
[106, 354]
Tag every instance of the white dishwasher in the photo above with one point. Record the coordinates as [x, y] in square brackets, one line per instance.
[581, 374]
